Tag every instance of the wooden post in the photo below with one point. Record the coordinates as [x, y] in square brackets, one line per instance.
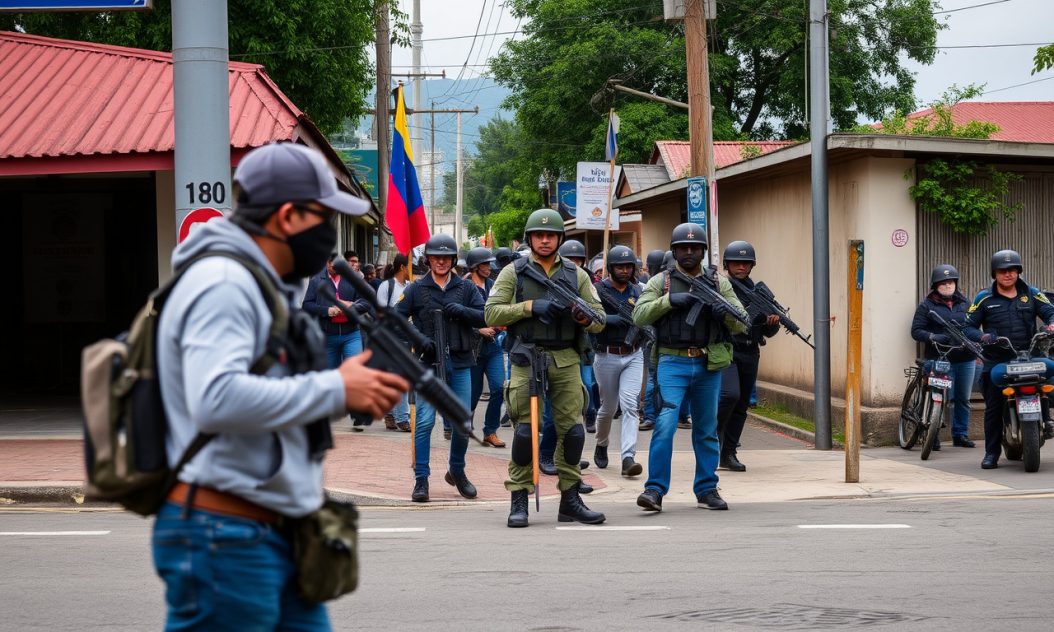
[855, 294]
[700, 133]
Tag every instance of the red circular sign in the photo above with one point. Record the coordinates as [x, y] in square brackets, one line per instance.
[197, 216]
[900, 238]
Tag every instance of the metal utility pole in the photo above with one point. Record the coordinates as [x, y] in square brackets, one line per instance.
[432, 166]
[383, 98]
[202, 111]
[458, 210]
[416, 30]
[700, 129]
[821, 267]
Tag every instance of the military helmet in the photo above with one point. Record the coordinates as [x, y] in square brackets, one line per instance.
[740, 251]
[621, 255]
[543, 219]
[573, 248]
[688, 233]
[654, 261]
[667, 260]
[477, 256]
[441, 246]
[941, 273]
[503, 256]
[1005, 259]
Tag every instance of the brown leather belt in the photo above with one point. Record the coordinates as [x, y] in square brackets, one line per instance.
[696, 352]
[219, 502]
[617, 349]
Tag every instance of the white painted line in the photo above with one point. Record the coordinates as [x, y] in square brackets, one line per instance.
[393, 530]
[54, 532]
[854, 526]
[598, 528]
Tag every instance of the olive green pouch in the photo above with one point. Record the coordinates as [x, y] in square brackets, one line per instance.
[326, 551]
[719, 355]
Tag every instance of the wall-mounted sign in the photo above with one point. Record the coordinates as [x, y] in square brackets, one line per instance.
[900, 238]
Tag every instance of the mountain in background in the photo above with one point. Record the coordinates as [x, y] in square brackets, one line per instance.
[461, 94]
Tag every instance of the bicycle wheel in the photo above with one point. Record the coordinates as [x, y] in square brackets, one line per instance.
[909, 427]
[933, 419]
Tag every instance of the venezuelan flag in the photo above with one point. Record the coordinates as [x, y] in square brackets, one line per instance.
[405, 212]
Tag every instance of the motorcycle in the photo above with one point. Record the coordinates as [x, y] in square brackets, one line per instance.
[922, 412]
[1026, 390]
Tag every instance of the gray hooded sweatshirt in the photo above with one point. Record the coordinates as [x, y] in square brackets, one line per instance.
[212, 329]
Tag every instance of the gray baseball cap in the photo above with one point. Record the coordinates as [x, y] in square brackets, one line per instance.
[289, 172]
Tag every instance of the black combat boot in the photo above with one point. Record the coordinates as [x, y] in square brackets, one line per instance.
[572, 509]
[518, 512]
[600, 456]
[463, 485]
[547, 465]
[420, 493]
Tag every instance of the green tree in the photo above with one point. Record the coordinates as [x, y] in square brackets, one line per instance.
[317, 52]
[1044, 59]
[558, 71]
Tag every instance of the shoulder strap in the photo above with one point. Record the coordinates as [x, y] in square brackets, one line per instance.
[391, 291]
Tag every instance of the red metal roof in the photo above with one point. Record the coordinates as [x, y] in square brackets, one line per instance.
[1020, 121]
[675, 155]
[69, 106]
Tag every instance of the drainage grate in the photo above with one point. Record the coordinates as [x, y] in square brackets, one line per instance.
[788, 616]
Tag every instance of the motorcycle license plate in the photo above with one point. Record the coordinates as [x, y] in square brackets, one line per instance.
[1029, 404]
[942, 366]
[940, 382]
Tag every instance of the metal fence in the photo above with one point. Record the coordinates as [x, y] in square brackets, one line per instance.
[1031, 233]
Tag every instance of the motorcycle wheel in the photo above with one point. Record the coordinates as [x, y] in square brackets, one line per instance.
[1030, 446]
[933, 416]
[910, 408]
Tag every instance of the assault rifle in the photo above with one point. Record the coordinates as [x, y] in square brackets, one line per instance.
[386, 336]
[956, 334]
[625, 312]
[761, 301]
[566, 298]
[439, 333]
[704, 290]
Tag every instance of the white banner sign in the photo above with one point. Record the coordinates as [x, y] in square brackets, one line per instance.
[593, 184]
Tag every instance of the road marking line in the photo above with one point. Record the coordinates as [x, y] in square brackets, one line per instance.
[854, 526]
[54, 532]
[597, 528]
[392, 530]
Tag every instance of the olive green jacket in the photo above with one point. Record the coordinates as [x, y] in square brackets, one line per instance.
[502, 309]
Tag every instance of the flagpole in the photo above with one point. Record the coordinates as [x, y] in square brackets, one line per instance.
[611, 188]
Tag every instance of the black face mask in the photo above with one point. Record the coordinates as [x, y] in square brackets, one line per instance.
[311, 249]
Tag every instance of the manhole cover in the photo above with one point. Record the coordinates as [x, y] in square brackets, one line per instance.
[786, 616]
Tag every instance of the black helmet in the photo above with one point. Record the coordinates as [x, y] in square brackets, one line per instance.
[943, 272]
[667, 259]
[1005, 259]
[572, 248]
[441, 246]
[477, 256]
[688, 233]
[739, 251]
[654, 261]
[620, 255]
[504, 256]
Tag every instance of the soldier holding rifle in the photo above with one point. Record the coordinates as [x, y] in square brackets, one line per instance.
[548, 306]
[693, 345]
[443, 306]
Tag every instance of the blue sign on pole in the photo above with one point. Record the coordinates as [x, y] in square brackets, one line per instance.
[73, 5]
[565, 195]
[697, 201]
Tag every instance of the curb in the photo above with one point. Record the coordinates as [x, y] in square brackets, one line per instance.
[32, 493]
[790, 431]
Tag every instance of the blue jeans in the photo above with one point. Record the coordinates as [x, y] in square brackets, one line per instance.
[227, 573]
[341, 347]
[962, 385]
[490, 364]
[459, 381]
[401, 410]
[649, 400]
[679, 379]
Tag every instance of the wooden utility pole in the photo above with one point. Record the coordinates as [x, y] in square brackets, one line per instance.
[700, 129]
[854, 366]
[384, 98]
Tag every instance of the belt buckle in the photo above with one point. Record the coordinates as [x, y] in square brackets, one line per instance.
[696, 352]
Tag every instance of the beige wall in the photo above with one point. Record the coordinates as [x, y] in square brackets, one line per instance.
[657, 224]
[868, 200]
[165, 184]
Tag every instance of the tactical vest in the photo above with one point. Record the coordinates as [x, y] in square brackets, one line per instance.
[561, 333]
[672, 331]
[459, 334]
[614, 335]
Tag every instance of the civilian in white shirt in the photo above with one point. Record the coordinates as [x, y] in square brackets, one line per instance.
[388, 294]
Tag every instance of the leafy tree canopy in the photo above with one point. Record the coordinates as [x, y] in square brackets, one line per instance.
[559, 70]
[1044, 59]
[315, 51]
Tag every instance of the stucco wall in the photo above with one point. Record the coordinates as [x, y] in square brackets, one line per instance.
[867, 200]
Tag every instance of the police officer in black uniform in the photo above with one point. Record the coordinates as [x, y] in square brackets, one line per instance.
[738, 378]
[462, 309]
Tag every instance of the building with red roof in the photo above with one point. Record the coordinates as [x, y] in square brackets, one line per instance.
[1018, 121]
[86, 172]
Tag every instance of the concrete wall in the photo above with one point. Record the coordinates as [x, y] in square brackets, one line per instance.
[868, 200]
[658, 222]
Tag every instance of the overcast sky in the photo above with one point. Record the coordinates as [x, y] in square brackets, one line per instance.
[1003, 22]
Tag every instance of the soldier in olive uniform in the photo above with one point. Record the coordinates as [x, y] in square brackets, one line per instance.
[519, 303]
[691, 358]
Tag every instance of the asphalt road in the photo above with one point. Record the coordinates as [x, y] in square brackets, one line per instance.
[977, 563]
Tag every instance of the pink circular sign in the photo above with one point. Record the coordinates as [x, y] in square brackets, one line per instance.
[900, 238]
